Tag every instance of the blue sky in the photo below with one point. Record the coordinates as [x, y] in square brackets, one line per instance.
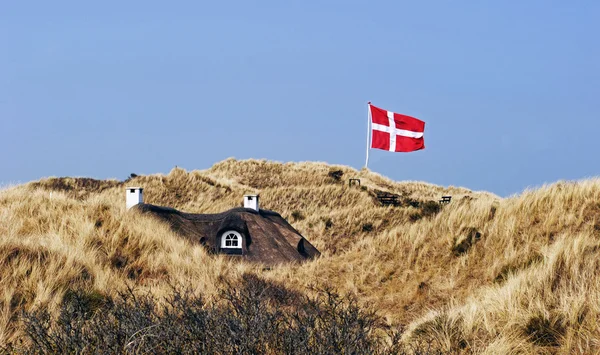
[509, 90]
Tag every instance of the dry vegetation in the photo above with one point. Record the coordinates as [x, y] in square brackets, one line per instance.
[482, 274]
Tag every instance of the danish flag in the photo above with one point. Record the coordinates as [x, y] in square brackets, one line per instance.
[395, 132]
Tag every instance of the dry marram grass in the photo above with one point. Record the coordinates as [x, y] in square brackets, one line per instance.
[481, 274]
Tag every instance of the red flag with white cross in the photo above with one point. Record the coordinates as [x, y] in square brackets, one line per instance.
[395, 132]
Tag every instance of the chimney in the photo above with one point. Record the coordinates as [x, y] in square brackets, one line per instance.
[251, 201]
[134, 195]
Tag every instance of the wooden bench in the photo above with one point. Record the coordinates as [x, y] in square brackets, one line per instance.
[388, 199]
[446, 199]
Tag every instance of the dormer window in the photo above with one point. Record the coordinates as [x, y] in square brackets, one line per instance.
[231, 240]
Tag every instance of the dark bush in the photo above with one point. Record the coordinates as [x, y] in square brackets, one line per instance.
[253, 316]
[131, 176]
[298, 215]
[468, 237]
[425, 209]
[328, 223]
[410, 202]
[430, 208]
[336, 175]
[367, 227]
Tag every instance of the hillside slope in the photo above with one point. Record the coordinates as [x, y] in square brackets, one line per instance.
[481, 274]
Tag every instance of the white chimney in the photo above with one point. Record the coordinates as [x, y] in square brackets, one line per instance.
[251, 201]
[134, 195]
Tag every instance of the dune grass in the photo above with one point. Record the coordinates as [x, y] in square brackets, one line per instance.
[482, 274]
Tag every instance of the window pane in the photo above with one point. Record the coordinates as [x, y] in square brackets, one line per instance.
[232, 240]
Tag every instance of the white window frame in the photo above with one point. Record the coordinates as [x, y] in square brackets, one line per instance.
[224, 239]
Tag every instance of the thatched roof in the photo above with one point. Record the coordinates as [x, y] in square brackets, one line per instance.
[267, 237]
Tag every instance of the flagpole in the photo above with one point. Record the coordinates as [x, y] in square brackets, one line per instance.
[368, 132]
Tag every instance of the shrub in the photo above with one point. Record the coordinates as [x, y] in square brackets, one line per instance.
[430, 208]
[131, 176]
[336, 175]
[328, 223]
[410, 202]
[298, 215]
[367, 227]
[253, 316]
[467, 238]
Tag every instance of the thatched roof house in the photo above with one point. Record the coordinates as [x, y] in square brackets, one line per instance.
[255, 234]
